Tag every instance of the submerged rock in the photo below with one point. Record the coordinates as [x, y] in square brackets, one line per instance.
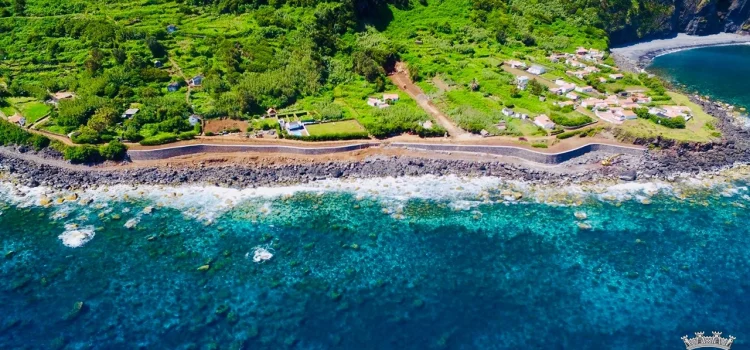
[580, 215]
[75, 312]
[204, 268]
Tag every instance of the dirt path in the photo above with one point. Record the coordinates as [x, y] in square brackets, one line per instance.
[401, 79]
[178, 71]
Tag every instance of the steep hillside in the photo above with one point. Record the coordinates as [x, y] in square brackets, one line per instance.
[633, 20]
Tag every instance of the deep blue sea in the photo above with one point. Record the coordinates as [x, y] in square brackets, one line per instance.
[408, 263]
[722, 72]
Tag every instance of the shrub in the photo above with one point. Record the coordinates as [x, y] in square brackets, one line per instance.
[208, 133]
[85, 135]
[539, 145]
[188, 135]
[114, 150]
[39, 142]
[159, 140]
[570, 120]
[567, 135]
[82, 154]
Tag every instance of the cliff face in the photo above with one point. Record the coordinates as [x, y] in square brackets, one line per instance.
[652, 18]
[702, 17]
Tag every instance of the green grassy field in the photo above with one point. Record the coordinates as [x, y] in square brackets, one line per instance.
[341, 127]
[695, 128]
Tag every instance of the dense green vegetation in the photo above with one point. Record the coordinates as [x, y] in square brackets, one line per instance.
[325, 57]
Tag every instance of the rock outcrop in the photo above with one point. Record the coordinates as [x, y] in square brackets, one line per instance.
[659, 18]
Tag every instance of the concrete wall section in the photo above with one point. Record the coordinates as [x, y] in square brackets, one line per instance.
[527, 154]
[534, 156]
[178, 151]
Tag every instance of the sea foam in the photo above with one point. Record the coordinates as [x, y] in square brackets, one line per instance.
[75, 236]
[206, 203]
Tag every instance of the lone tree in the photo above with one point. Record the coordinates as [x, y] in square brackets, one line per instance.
[535, 88]
[474, 85]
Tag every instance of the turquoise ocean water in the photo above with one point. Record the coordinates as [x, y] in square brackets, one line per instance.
[409, 263]
[721, 72]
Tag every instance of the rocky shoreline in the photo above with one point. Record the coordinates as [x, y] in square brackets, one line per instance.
[667, 160]
[34, 174]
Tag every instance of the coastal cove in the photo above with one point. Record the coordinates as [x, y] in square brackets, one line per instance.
[721, 72]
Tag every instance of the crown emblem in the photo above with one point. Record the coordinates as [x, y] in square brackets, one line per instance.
[715, 341]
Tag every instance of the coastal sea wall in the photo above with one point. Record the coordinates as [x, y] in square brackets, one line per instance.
[526, 154]
[178, 151]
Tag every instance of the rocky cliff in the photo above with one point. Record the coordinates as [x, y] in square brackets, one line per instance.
[651, 18]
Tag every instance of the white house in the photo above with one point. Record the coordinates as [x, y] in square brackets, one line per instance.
[575, 64]
[376, 102]
[130, 113]
[516, 64]
[507, 112]
[544, 122]
[584, 89]
[390, 97]
[522, 82]
[617, 76]
[194, 119]
[537, 70]
[572, 96]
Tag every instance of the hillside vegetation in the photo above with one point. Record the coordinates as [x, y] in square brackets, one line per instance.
[321, 57]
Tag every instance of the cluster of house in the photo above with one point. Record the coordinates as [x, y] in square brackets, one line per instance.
[194, 82]
[534, 69]
[620, 107]
[541, 120]
[569, 90]
[384, 102]
[582, 53]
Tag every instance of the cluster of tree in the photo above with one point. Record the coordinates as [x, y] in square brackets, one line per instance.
[11, 134]
[114, 150]
[399, 119]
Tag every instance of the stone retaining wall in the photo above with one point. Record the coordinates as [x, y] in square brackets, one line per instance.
[534, 156]
[170, 152]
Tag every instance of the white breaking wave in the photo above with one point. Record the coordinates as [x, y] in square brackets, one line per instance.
[204, 202]
[75, 236]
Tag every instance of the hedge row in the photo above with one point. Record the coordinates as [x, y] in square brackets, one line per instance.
[332, 137]
[159, 140]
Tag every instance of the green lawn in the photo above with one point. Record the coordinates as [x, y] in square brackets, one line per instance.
[34, 110]
[55, 129]
[340, 127]
[695, 128]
